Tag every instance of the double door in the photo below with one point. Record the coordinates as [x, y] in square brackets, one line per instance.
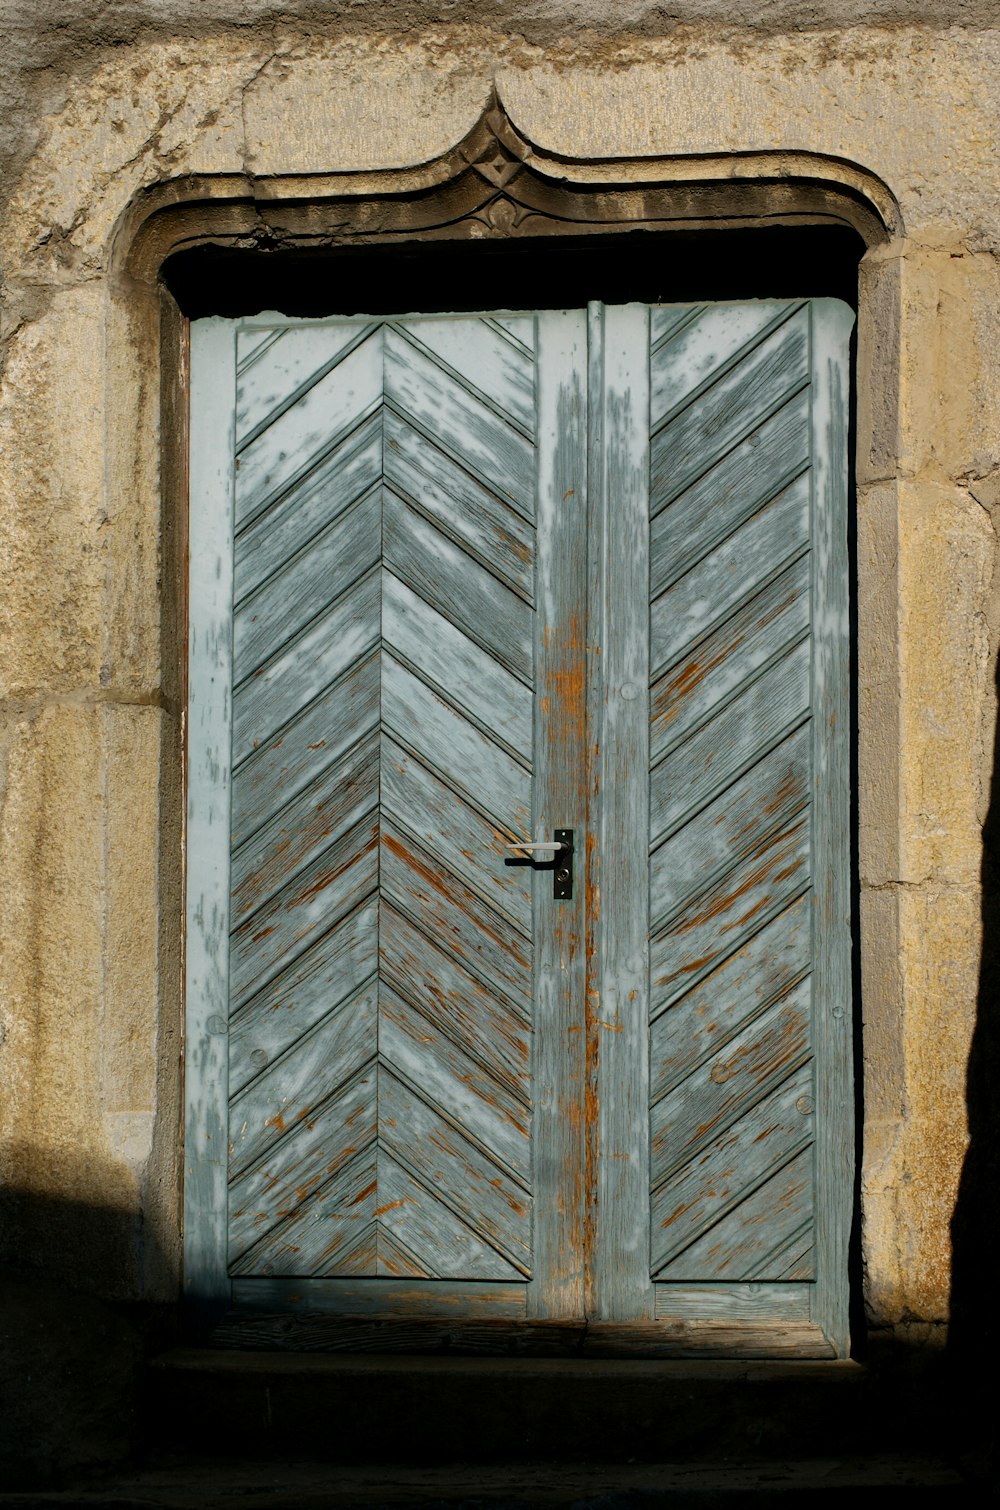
[461, 585]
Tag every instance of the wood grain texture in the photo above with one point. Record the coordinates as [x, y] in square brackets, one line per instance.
[732, 491]
[490, 529]
[619, 1010]
[733, 727]
[759, 804]
[708, 595]
[704, 1190]
[304, 434]
[383, 729]
[740, 394]
[290, 761]
[728, 743]
[303, 993]
[694, 1022]
[274, 537]
[833, 1027]
[452, 581]
[276, 367]
[213, 359]
[715, 924]
[429, 545]
[400, 1299]
[455, 418]
[721, 663]
[317, 1332]
[560, 802]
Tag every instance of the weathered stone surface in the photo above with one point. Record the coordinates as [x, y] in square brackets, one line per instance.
[51, 903]
[946, 555]
[52, 504]
[80, 845]
[824, 92]
[913, 1165]
[322, 92]
[879, 687]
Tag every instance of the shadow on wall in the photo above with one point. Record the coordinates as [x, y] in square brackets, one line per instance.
[975, 1225]
[70, 1358]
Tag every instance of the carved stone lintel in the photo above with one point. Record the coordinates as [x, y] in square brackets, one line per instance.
[495, 184]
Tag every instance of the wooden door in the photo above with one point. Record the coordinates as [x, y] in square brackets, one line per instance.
[419, 1083]
[388, 570]
[721, 1037]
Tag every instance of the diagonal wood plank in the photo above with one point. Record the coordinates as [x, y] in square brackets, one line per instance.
[458, 422]
[455, 665]
[304, 827]
[358, 1258]
[695, 771]
[753, 1241]
[315, 1230]
[494, 1206]
[713, 926]
[709, 1187]
[483, 360]
[461, 590]
[468, 760]
[736, 823]
[275, 695]
[494, 1031]
[413, 1220]
[299, 439]
[465, 843]
[733, 490]
[457, 920]
[710, 672]
[702, 1020]
[732, 573]
[305, 586]
[703, 343]
[488, 527]
[720, 1090]
[301, 1163]
[275, 368]
[453, 1081]
[393, 1259]
[273, 537]
[286, 764]
[292, 1087]
[297, 998]
[734, 405]
[303, 910]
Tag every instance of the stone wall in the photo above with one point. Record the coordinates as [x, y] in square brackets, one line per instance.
[109, 102]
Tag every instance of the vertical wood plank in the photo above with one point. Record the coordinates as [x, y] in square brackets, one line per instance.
[831, 323]
[618, 1009]
[560, 802]
[212, 426]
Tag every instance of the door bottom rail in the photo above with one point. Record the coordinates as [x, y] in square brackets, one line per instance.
[322, 1332]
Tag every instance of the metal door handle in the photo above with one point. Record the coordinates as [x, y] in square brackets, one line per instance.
[541, 844]
[560, 847]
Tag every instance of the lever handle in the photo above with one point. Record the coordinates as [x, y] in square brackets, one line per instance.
[549, 844]
[561, 849]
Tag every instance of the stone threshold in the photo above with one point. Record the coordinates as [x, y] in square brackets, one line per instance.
[352, 1408]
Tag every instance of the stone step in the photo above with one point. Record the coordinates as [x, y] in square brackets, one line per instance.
[239, 1484]
[350, 1408]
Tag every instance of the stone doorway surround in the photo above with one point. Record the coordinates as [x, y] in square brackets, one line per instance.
[469, 171]
[495, 185]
